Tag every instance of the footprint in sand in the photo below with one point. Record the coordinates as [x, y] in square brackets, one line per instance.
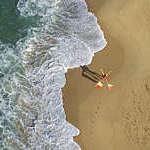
[135, 115]
[95, 115]
[131, 128]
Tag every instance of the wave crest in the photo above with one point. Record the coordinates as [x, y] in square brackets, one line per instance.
[67, 36]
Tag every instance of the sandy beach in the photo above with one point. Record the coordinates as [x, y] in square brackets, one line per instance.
[117, 119]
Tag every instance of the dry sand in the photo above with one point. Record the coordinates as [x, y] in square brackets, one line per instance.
[117, 119]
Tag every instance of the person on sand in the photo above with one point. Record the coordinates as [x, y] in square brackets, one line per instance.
[105, 78]
[95, 77]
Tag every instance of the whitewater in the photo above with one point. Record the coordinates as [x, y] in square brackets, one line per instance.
[33, 69]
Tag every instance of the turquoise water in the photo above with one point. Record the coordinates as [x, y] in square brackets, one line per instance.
[39, 41]
[12, 25]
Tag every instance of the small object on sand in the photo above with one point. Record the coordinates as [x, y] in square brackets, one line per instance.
[105, 75]
[104, 80]
[99, 85]
[110, 86]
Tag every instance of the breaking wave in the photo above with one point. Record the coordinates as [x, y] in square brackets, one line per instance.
[67, 36]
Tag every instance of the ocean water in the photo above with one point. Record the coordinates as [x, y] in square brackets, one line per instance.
[39, 41]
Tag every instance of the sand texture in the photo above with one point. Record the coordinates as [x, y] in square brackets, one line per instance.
[117, 119]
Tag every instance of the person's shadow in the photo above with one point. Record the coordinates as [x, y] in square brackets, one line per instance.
[93, 76]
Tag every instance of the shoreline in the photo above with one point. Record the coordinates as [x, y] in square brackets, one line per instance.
[105, 119]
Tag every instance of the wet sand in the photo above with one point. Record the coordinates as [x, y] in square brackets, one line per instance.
[117, 119]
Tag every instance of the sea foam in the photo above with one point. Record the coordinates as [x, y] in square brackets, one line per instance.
[67, 36]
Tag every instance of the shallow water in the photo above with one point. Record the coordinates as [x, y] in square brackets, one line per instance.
[39, 42]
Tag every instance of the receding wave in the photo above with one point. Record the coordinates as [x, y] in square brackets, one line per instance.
[66, 36]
